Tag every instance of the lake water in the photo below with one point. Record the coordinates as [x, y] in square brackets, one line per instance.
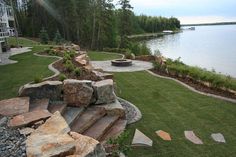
[210, 47]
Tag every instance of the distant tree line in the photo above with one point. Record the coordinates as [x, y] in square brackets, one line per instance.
[93, 24]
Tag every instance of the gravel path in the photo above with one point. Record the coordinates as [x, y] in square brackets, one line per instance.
[4, 57]
[12, 143]
[137, 66]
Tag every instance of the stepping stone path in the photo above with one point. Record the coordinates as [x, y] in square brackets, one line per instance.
[164, 135]
[192, 137]
[14, 106]
[141, 140]
[218, 138]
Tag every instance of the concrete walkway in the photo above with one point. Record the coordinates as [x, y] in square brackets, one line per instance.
[137, 66]
[4, 57]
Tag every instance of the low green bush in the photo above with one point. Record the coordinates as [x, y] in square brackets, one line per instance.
[62, 77]
[38, 79]
[77, 71]
[69, 66]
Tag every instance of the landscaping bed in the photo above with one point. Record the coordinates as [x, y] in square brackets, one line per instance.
[198, 85]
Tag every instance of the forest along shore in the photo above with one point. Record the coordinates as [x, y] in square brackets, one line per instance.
[146, 36]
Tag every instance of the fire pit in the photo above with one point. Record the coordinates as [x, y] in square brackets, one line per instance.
[121, 63]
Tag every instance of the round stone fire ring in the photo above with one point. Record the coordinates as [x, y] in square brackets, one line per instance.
[121, 62]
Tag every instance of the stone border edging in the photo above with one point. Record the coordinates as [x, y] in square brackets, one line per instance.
[50, 66]
[138, 115]
[193, 89]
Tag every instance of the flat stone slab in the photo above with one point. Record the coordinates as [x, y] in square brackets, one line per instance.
[28, 118]
[14, 106]
[136, 66]
[141, 140]
[164, 135]
[71, 113]
[61, 107]
[39, 104]
[116, 130]
[87, 119]
[218, 137]
[192, 137]
[101, 126]
[51, 139]
[114, 108]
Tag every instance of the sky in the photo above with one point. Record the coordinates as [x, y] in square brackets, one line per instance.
[188, 11]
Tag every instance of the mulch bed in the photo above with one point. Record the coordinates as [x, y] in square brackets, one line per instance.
[199, 86]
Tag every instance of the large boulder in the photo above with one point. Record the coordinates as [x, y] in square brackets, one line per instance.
[87, 146]
[14, 106]
[77, 93]
[48, 89]
[51, 139]
[104, 91]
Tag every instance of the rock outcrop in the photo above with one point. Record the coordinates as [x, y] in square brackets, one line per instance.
[104, 91]
[48, 89]
[77, 93]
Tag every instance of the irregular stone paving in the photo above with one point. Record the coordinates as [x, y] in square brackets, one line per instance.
[218, 137]
[141, 140]
[164, 135]
[192, 137]
[4, 57]
[136, 66]
[14, 106]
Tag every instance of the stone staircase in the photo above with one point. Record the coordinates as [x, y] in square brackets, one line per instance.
[93, 121]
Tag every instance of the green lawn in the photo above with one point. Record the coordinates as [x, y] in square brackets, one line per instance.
[15, 75]
[168, 106]
[102, 56]
[22, 41]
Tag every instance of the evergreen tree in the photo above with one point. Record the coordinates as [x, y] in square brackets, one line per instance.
[58, 38]
[44, 36]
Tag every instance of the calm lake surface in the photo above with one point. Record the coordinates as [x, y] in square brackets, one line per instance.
[210, 47]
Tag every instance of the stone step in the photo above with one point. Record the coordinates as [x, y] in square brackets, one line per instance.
[29, 118]
[61, 107]
[116, 130]
[87, 119]
[39, 104]
[98, 130]
[71, 113]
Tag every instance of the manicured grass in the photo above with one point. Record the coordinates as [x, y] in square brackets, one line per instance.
[168, 106]
[102, 56]
[22, 41]
[15, 75]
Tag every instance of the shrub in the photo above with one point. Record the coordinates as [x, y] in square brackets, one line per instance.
[62, 77]
[38, 79]
[66, 57]
[121, 144]
[69, 66]
[77, 71]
